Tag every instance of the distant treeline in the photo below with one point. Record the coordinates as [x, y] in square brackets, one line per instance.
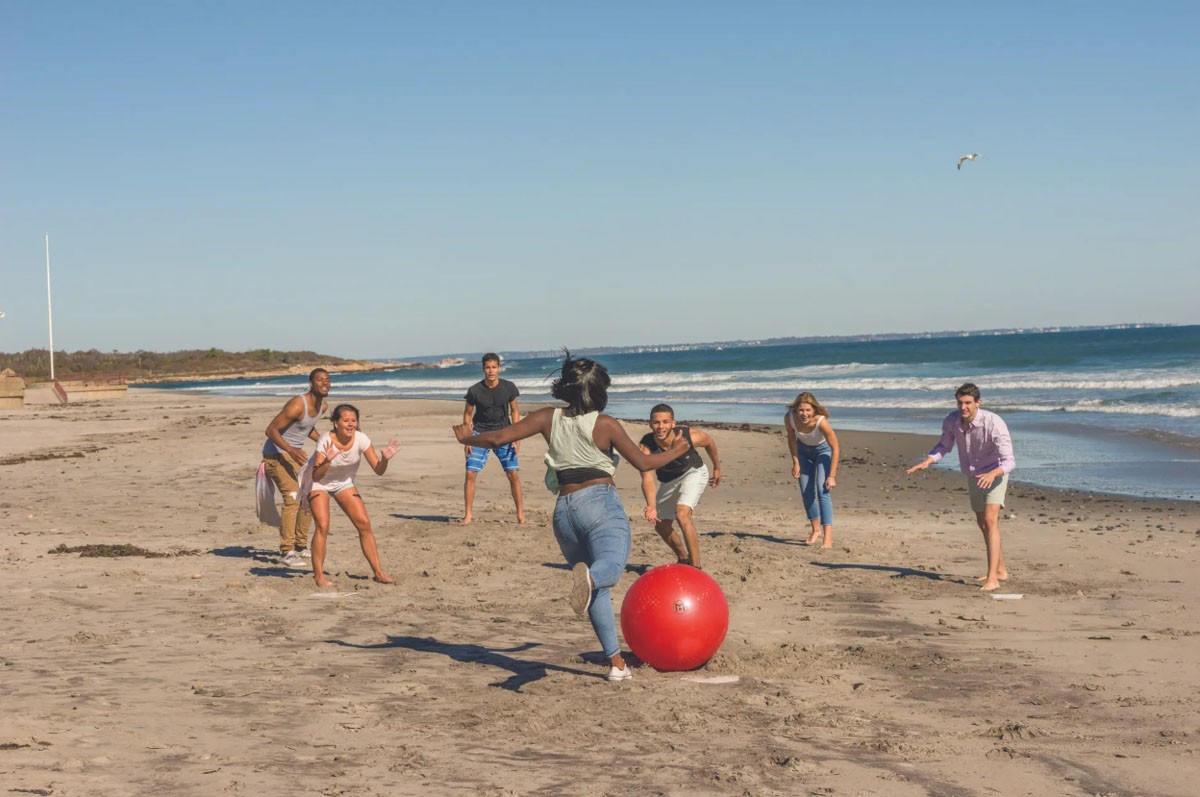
[141, 366]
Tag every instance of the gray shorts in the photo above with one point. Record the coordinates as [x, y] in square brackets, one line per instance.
[993, 495]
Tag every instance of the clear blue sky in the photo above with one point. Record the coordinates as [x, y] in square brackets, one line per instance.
[386, 178]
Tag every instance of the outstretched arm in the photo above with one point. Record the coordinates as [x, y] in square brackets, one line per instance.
[944, 445]
[534, 423]
[609, 434]
[922, 465]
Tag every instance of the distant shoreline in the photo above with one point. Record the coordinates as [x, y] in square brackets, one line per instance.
[294, 370]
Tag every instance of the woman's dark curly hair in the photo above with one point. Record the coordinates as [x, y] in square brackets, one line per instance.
[582, 384]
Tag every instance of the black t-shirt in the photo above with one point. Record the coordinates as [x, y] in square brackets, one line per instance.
[676, 467]
[491, 404]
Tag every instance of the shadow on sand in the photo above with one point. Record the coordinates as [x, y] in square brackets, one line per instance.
[424, 518]
[745, 535]
[268, 562]
[897, 572]
[523, 672]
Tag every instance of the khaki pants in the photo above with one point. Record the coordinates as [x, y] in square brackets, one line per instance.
[294, 525]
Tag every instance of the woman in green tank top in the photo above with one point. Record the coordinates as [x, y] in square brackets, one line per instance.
[590, 524]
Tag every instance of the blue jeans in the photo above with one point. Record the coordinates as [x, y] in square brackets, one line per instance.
[591, 527]
[815, 462]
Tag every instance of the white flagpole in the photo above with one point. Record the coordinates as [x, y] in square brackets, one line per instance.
[49, 307]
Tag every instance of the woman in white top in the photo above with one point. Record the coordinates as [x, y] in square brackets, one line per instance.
[815, 453]
[590, 524]
[334, 466]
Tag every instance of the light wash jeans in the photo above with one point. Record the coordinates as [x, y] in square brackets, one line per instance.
[815, 462]
[591, 527]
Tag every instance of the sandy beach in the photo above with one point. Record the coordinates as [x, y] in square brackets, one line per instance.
[873, 668]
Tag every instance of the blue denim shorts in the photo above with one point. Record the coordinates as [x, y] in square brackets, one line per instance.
[507, 454]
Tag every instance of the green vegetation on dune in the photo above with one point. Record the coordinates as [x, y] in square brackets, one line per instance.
[145, 366]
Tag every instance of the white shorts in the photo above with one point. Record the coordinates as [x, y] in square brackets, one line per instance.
[685, 490]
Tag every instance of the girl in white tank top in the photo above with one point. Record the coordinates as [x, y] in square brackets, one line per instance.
[815, 452]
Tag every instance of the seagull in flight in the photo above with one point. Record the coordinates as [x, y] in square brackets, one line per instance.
[970, 157]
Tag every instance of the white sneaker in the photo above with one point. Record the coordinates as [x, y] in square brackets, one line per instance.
[620, 675]
[306, 553]
[293, 559]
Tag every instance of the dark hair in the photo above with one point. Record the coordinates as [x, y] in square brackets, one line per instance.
[809, 398]
[662, 408]
[341, 408]
[313, 373]
[490, 357]
[582, 383]
[967, 389]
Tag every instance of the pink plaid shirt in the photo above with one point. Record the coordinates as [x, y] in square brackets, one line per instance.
[984, 445]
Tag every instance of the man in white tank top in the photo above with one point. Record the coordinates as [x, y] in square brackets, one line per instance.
[284, 457]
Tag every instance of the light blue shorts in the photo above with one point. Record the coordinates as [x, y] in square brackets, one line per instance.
[507, 454]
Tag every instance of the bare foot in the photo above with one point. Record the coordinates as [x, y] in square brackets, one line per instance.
[324, 582]
[383, 579]
[828, 543]
[465, 521]
[520, 517]
[812, 538]
[988, 586]
[1000, 577]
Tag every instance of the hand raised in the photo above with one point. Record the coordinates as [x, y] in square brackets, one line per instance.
[393, 447]
[329, 452]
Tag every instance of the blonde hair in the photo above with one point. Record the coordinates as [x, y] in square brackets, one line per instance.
[808, 398]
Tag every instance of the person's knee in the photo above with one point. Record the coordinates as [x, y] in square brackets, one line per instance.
[683, 512]
[472, 475]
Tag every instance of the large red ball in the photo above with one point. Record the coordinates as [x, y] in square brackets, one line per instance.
[674, 617]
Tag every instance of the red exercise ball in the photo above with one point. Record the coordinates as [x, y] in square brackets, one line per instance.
[674, 617]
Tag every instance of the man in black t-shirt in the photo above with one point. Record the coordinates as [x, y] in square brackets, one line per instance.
[680, 482]
[491, 405]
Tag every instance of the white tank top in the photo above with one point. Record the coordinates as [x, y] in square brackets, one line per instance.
[813, 438]
[571, 444]
[296, 434]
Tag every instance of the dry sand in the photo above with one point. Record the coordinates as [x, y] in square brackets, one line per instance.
[874, 668]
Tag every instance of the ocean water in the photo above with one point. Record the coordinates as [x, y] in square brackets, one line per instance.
[1111, 410]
